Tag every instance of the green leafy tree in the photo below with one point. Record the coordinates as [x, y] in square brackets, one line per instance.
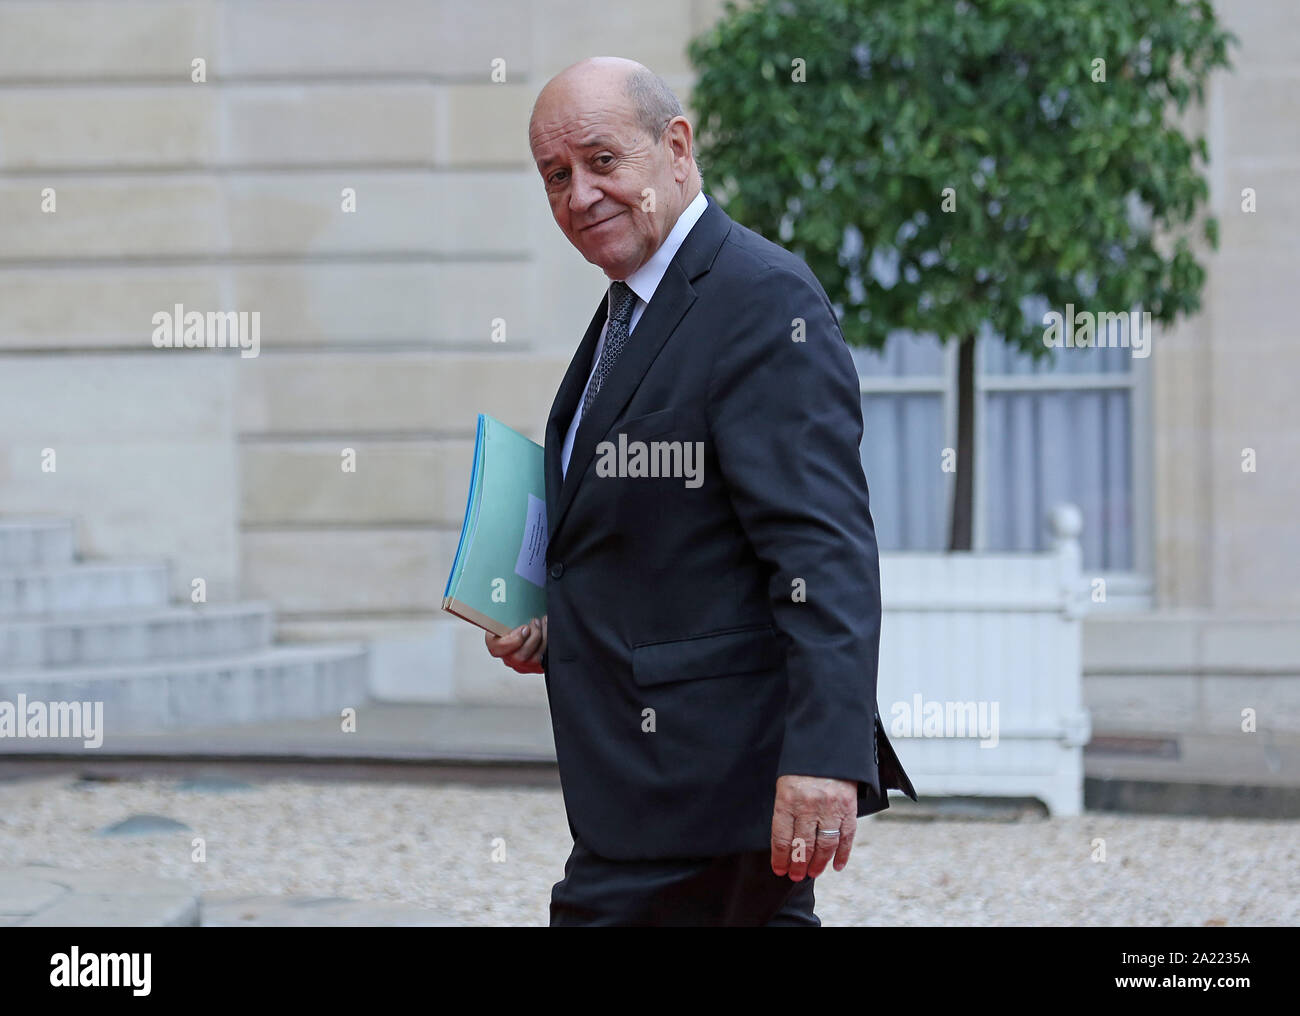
[944, 165]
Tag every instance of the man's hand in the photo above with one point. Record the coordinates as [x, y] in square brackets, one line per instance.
[807, 808]
[522, 649]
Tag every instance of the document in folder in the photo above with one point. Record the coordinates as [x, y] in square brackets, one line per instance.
[498, 580]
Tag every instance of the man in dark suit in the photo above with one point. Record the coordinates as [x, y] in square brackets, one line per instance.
[712, 561]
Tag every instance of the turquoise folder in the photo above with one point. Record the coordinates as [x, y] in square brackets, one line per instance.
[498, 580]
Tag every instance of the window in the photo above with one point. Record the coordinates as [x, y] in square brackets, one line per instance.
[1074, 429]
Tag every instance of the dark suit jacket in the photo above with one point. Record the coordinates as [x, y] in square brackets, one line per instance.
[686, 600]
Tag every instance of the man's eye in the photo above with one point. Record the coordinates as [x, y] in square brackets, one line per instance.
[609, 157]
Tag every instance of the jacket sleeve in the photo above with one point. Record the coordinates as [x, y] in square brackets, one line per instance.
[785, 416]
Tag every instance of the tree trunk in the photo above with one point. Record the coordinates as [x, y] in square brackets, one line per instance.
[963, 494]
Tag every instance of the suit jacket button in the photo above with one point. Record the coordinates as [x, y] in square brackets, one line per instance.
[557, 569]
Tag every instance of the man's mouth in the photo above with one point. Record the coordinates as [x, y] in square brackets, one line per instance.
[600, 223]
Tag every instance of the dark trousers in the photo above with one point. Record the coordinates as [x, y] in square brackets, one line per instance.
[736, 890]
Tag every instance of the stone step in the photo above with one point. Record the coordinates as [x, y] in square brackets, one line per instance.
[91, 585]
[133, 636]
[36, 542]
[280, 682]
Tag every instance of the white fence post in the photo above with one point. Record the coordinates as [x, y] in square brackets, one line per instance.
[1066, 523]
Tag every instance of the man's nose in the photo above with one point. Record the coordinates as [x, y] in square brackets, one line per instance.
[583, 194]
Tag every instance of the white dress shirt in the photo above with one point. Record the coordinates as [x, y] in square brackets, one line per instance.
[643, 282]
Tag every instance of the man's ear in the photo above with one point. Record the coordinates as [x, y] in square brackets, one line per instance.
[681, 138]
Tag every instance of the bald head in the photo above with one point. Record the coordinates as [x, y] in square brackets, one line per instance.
[652, 101]
[616, 157]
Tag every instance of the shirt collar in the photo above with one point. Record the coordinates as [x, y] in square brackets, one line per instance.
[645, 280]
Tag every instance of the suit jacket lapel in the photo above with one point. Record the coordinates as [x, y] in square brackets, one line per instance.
[666, 308]
[562, 410]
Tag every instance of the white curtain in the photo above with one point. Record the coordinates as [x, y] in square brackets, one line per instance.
[1038, 447]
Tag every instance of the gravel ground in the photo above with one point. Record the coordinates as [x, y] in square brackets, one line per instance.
[432, 846]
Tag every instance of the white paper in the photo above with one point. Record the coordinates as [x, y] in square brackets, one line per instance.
[531, 562]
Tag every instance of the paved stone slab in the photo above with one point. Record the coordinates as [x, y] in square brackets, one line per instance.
[119, 910]
[40, 896]
[21, 895]
[234, 910]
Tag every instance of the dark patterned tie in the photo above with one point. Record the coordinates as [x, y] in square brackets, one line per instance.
[621, 302]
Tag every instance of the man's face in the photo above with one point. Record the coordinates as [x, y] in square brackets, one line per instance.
[596, 164]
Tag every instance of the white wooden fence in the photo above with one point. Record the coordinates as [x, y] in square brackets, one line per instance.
[980, 684]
